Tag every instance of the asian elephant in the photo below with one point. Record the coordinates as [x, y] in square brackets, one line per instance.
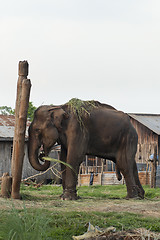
[94, 129]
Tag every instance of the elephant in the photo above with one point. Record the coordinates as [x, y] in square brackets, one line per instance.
[95, 129]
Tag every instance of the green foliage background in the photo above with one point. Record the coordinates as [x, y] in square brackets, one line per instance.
[5, 110]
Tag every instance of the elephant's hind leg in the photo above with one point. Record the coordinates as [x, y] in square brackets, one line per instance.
[141, 191]
[125, 165]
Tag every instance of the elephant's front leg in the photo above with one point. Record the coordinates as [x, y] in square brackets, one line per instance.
[71, 177]
[63, 157]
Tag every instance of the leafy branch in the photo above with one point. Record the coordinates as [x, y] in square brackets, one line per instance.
[59, 161]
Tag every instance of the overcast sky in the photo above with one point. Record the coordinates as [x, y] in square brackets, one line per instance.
[106, 50]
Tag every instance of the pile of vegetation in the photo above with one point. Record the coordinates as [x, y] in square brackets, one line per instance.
[108, 234]
[81, 108]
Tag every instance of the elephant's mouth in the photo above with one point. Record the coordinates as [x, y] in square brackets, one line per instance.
[42, 154]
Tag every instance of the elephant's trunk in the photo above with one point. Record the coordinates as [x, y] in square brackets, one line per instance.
[33, 150]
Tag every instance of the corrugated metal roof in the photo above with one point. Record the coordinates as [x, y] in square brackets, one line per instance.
[7, 127]
[6, 132]
[151, 121]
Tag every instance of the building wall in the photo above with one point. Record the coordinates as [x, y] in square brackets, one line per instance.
[146, 142]
[6, 149]
[5, 157]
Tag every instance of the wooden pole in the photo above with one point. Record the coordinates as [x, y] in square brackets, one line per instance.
[102, 170]
[23, 73]
[147, 173]
[21, 109]
[96, 165]
[154, 168]
[86, 164]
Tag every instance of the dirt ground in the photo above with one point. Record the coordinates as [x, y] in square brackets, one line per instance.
[144, 207]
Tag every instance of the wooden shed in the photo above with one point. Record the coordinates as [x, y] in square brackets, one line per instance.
[148, 130]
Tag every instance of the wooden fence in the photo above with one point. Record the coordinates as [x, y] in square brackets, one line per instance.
[109, 178]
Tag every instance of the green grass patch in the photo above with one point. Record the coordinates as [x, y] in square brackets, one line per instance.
[86, 192]
[23, 224]
[103, 192]
[35, 194]
[152, 193]
[43, 216]
[40, 224]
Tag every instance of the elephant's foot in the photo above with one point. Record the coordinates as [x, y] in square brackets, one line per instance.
[141, 192]
[69, 194]
[133, 192]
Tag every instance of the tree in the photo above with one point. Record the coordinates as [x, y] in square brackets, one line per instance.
[31, 110]
[9, 111]
[6, 110]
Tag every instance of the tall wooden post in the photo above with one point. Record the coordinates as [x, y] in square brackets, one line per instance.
[96, 165]
[154, 168]
[102, 170]
[21, 109]
[86, 165]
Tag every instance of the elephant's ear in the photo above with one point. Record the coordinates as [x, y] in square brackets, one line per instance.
[58, 115]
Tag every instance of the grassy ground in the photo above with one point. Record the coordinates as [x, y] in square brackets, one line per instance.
[41, 215]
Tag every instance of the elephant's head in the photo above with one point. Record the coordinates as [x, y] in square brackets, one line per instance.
[44, 133]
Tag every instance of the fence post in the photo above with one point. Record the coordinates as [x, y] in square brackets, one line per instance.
[102, 170]
[154, 168]
[21, 109]
[86, 172]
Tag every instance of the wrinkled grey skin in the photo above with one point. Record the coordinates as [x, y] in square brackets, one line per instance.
[105, 133]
